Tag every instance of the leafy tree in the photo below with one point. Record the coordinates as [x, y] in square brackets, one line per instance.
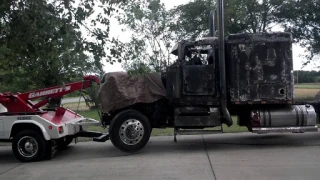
[151, 39]
[42, 42]
[241, 16]
[302, 18]
[138, 68]
[192, 19]
[317, 79]
[306, 76]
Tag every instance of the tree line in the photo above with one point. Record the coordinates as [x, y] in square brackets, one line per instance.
[306, 76]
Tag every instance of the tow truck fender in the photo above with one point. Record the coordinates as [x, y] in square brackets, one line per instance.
[43, 130]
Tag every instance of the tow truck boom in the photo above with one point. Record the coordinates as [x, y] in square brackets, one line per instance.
[17, 103]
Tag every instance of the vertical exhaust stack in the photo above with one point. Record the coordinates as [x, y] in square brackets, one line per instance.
[222, 68]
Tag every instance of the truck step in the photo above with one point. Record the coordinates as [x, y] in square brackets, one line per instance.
[195, 132]
[102, 138]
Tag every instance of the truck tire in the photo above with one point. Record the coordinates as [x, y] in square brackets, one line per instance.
[29, 146]
[130, 131]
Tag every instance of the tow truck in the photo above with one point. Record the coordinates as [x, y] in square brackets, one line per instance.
[38, 133]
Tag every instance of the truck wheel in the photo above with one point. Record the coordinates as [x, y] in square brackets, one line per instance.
[130, 131]
[28, 146]
[64, 142]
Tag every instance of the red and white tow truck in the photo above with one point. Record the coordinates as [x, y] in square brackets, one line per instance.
[38, 133]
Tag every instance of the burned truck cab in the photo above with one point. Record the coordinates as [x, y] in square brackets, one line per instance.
[259, 84]
[193, 77]
[192, 84]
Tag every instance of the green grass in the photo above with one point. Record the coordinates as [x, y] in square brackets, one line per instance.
[233, 129]
[307, 86]
[162, 132]
[73, 94]
[90, 114]
[94, 115]
[74, 106]
[306, 91]
[305, 94]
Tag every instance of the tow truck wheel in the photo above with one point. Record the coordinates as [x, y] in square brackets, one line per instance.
[130, 131]
[28, 146]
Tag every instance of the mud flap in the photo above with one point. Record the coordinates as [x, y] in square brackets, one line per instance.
[51, 149]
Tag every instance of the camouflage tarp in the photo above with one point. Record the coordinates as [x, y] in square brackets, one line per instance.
[119, 90]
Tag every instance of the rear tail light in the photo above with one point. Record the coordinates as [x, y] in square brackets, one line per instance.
[60, 129]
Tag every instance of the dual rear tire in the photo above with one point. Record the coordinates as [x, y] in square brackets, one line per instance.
[29, 145]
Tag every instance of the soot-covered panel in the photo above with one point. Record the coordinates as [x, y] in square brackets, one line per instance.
[259, 67]
[198, 80]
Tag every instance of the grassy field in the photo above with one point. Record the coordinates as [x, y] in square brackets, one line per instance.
[74, 106]
[306, 91]
[303, 92]
[307, 86]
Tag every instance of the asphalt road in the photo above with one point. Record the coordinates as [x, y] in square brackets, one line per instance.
[223, 157]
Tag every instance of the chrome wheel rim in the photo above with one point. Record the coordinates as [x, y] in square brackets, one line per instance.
[28, 146]
[131, 132]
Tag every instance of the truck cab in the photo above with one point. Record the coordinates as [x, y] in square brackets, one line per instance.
[213, 81]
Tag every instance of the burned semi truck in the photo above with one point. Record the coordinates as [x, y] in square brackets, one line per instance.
[248, 76]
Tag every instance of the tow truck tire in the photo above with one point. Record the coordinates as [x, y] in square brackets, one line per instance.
[64, 142]
[29, 146]
[130, 131]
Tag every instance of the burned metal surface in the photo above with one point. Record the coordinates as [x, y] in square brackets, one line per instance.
[173, 82]
[259, 67]
[192, 79]
[175, 93]
[198, 100]
[199, 80]
[197, 117]
[277, 91]
[185, 49]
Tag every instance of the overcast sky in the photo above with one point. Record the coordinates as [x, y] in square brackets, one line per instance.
[115, 31]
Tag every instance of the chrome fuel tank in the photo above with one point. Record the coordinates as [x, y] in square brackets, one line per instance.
[290, 116]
